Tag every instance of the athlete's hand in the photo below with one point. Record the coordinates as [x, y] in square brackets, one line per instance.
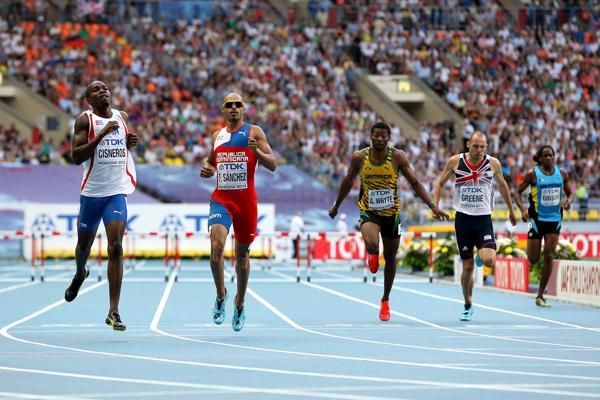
[252, 143]
[333, 212]
[132, 140]
[207, 170]
[513, 218]
[439, 214]
[108, 128]
[567, 205]
[525, 215]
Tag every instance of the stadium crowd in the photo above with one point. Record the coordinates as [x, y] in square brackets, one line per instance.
[523, 87]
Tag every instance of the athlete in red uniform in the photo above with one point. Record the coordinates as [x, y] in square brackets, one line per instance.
[235, 152]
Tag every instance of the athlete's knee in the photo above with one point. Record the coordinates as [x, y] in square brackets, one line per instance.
[216, 251]
[488, 258]
[533, 258]
[372, 246]
[115, 250]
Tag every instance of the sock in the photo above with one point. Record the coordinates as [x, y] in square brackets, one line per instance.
[467, 306]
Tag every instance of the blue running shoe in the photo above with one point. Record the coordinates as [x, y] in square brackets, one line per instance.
[466, 315]
[239, 317]
[218, 312]
[478, 261]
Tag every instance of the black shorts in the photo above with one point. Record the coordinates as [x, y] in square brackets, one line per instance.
[473, 231]
[537, 229]
[389, 226]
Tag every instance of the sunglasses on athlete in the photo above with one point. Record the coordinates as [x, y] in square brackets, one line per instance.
[230, 104]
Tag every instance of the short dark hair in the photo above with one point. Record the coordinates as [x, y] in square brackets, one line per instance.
[538, 154]
[381, 125]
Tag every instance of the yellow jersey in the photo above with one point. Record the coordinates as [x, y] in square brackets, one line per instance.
[378, 186]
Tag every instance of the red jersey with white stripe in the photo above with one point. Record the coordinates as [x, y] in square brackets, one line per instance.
[110, 170]
[236, 165]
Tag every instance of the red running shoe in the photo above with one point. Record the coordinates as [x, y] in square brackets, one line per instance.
[384, 311]
[373, 261]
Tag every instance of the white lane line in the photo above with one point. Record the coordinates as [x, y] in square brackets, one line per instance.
[462, 332]
[478, 305]
[351, 298]
[502, 310]
[228, 388]
[15, 395]
[166, 294]
[19, 286]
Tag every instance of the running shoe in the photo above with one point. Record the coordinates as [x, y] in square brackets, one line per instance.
[466, 315]
[478, 261]
[218, 312]
[541, 302]
[73, 288]
[373, 261]
[239, 317]
[114, 320]
[384, 311]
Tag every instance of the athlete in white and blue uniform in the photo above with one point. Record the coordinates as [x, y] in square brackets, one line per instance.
[474, 173]
[550, 194]
[101, 143]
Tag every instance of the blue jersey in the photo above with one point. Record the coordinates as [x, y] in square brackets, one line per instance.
[545, 199]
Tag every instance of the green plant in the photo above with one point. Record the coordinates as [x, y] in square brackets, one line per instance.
[444, 254]
[564, 251]
[414, 256]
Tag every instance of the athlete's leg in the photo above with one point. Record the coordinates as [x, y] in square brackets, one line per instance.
[390, 250]
[219, 222]
[370, 234]
[115, 220]
[550, 242]
[218, 237]
[534, 247]
[90, 212]
[466, 280]
[242, 270]
[488, 256]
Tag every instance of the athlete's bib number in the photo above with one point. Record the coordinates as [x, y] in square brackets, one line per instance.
[232, 175]
[551, 196]
[381, 199]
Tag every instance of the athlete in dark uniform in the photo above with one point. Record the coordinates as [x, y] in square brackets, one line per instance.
[474, 173]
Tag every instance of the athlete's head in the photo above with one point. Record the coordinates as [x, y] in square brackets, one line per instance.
[477, 144]
[380, 135]
[544, 156]
[97, 94]
[233, 107]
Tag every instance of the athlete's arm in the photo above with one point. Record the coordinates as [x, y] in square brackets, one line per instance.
[348, 181]
[404, 166]
[567, 189]
[257, 142]
[504, 189]
[525, 183]
[449, 169]
[209, 167]
[132, 139]
[81, 148]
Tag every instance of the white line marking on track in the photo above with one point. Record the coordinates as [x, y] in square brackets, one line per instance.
[15, 395]
[168, 288]
[19, 286]
[228, 388]
[355, 299]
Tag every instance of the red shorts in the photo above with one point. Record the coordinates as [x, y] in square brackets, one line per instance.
[244, 219]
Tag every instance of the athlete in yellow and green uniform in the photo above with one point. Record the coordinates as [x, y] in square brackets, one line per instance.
[378, 167]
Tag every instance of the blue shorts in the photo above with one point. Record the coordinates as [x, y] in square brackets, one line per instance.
[91, 209]
[218, 214]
